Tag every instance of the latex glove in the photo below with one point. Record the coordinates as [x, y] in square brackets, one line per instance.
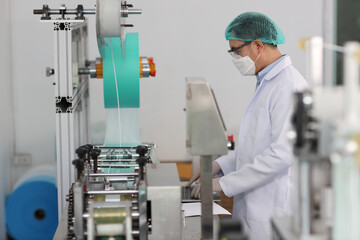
[195, 193]
[215, 170]
[216, 187]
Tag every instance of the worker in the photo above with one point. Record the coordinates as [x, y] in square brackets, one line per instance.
[257, 174]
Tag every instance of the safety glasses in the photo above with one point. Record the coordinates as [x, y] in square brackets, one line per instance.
[235, 51]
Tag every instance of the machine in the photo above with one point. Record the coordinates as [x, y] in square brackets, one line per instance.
[110, 190]
[118, 190]
[72, 72]
[326, 131]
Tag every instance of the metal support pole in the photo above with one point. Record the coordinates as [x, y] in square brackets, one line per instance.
[315, 62]
[328, 35]
[78, 208]
[143, 223]
[305, 196]
[206, 198]
[64, 120]
[351, 83]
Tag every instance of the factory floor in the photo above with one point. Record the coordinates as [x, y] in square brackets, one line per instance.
[185, 173]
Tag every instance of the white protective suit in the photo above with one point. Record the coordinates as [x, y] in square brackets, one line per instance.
[257, 175]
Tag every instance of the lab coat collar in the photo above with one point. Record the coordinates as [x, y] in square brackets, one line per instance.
[281, 65]
[285, 62]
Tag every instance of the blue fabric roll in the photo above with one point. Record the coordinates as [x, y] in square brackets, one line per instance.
[31, 209]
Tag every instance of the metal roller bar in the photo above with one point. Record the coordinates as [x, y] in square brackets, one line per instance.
[133, 214]
[119, 160]
[67, 11]
[112, 192]
[115, 180]
[134, 11]
[118, 165]
[104, 147]
[120, 156]
[113, 174]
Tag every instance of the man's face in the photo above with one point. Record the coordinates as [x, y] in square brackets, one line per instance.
[244, 51]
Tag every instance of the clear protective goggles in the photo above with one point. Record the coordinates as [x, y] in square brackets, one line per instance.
[234, 52]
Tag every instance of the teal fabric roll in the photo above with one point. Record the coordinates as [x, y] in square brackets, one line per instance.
[126, 70]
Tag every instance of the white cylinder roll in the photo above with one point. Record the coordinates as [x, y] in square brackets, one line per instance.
[108, 18]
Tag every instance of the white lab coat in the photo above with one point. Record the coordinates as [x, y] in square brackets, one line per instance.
[257, 174]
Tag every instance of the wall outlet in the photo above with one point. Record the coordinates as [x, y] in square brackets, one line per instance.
[22, 160]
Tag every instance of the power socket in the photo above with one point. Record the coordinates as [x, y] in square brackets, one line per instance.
[22, 160]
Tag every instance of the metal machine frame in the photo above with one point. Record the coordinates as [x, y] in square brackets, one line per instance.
[71, 98]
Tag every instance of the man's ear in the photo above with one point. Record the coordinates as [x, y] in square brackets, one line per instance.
[259, 45]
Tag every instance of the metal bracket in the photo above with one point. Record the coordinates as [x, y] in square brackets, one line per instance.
[60, 26]
[64, 104]
[49, 71]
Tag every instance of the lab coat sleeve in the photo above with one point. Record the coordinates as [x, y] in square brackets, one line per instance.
[274, 160]
[227, 163]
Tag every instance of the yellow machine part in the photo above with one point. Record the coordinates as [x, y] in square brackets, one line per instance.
[109, 215]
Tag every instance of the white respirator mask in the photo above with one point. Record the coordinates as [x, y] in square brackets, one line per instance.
[245, 65]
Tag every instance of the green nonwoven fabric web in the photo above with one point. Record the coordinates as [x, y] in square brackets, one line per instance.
[126, 69]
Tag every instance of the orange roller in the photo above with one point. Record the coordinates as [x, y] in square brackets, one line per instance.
[99, 69]
[152, 70]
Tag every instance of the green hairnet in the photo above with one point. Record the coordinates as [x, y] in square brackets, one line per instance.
[250, 26]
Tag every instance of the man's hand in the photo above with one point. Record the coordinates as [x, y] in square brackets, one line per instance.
[195, 193]
[216, 187]
[194, 177]
[215, 170]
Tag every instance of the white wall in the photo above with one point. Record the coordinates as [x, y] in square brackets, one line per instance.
[6, 130]
[186, 38]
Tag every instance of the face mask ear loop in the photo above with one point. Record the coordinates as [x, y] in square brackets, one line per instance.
[257, 58]
[249, 50]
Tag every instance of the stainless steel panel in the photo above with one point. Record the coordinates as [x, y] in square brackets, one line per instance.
[205, 128]
[164, 192]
